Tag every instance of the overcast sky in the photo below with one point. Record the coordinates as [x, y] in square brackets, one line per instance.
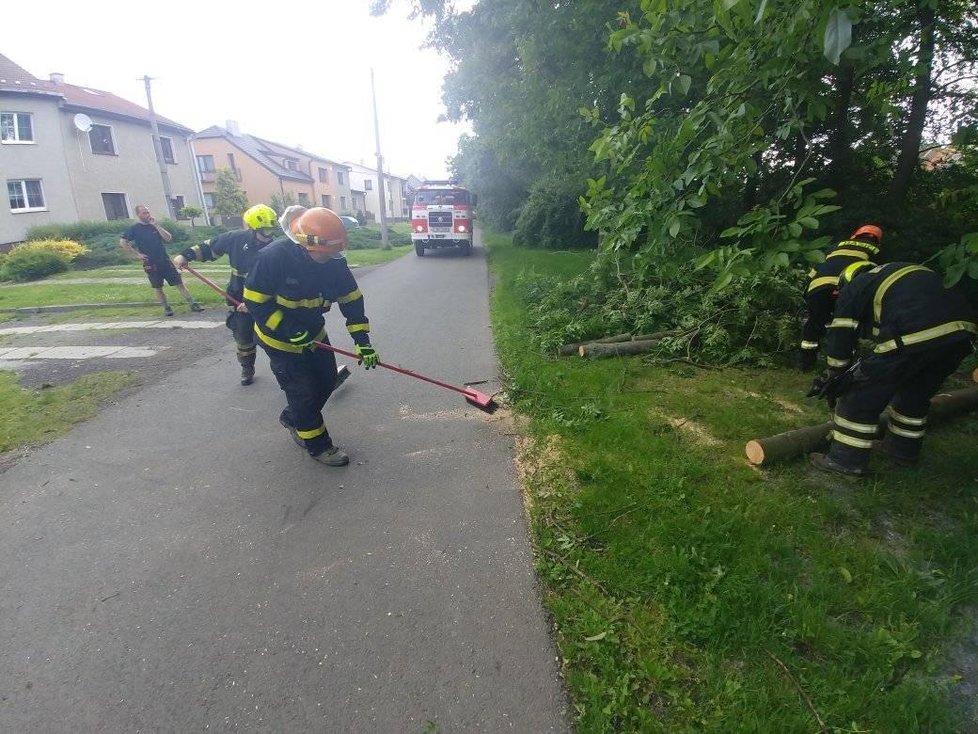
[297, 74]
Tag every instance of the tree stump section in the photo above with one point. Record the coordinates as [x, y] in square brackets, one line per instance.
[788, 445]
[621, 349]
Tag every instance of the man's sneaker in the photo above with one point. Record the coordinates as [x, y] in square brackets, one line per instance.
[292, 432]
[167, 311]
[196, 307]
[823, 462]
[332, 457]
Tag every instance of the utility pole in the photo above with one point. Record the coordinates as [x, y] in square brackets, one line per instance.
[158, 149]
[385, 243]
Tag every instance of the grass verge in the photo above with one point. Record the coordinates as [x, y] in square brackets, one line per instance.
[31, 417]
[691, 592]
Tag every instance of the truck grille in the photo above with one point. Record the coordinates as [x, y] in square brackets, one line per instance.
[440, 219]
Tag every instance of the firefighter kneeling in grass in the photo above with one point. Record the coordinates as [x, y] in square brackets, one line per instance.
[242, 247]
[922, 332]
[290, 286]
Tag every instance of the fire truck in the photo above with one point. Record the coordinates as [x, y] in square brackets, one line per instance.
[441, 216]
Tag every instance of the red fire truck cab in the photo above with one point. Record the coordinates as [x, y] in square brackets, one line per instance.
[441, 216]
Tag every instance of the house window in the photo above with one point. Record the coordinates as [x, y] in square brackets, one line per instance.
[100, 137]
[115, 206]
[290, 164]
[205, 164]
[368, 185]
[208, 200]
[16, 127]
[231, 162]
[327, 201]
[339, 178]
[323, 175]
[303, 198]
[167, 145]
[25, 195]
[343, 203]
[178, 204]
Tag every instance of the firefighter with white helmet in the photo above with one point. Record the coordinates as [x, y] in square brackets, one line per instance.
[242, 247]
[296, 279]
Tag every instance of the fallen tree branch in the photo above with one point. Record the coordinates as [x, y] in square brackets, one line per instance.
[568, 350]
[620, 349]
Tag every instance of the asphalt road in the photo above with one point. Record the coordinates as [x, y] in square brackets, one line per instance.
[177, 564]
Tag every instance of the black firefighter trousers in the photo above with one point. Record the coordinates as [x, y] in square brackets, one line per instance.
[905, 382]
[307, 379]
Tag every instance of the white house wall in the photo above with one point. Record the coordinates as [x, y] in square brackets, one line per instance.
[43, 159]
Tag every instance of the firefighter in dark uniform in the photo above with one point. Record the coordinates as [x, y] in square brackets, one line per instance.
[921, 330]
[242, 247]
[823, 281]
[290, 286]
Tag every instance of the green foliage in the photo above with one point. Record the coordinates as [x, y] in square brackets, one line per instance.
[229, 199]
[751, 321]
[191, 213]
[26, 263]
[281, 202]
[551, 217]
[370, 237]
[960, 259]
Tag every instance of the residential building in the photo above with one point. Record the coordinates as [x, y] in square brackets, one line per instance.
[398, 203]
[70, 153]
[269, 172]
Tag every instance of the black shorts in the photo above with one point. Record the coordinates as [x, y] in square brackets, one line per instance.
[157, 272]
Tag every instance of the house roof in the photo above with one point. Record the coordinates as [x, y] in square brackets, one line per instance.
[14, 78]
[254, 148]
[288, 150]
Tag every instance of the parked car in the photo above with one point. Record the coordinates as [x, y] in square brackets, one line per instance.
[350, 222]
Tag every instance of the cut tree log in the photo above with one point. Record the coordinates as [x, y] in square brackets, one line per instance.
[974, 375]
[620, 349]
[788, 445]
[574, 348]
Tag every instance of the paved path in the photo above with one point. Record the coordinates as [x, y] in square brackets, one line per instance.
[177, 564]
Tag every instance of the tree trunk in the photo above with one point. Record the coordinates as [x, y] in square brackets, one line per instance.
[621, 349]
[788, 445]
[839, 151]
[570, 349]
[909, 159]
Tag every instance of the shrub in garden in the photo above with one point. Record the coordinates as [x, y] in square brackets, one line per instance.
[39, 259]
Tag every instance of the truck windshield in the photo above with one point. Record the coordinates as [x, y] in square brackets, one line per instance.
[441, 196]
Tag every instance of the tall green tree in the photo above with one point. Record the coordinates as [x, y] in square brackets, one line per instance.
[229, 199]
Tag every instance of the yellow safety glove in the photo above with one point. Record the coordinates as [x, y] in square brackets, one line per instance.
[367, 356]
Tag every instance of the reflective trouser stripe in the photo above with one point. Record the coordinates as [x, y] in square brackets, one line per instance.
[833, 362]
[858, 443]
[896, 430]
[307, 435]
[809, 345]
[869, 428]
[907, 419]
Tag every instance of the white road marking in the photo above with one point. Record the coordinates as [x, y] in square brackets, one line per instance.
[21, 354]
[96, 325]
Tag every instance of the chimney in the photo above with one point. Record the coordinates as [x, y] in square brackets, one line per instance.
[57, 77]
[233, 128]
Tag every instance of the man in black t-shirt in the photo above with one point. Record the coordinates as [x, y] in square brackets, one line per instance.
[146, 240]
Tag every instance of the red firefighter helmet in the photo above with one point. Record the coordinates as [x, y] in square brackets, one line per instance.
[319, 230]
[869, 229]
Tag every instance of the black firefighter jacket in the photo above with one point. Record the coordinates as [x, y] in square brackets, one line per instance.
[903, 306]
[242, 248]
[287, 293]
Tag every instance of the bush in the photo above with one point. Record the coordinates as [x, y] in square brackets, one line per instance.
[367, 238]
[552, 218]
[38, 259]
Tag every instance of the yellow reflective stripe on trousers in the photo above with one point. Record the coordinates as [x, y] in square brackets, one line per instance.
[907, 419]
[926, 335]
[354, 328]
[256, 296]
[885, 286]
[306, 435]
[809, 345]
[235, 271]
[896, 430]
[869, 428]
[844, 324]
[833, 362]
[850, 441]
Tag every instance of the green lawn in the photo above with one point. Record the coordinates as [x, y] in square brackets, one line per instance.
[692, 592]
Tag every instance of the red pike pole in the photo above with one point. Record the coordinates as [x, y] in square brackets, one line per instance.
[480, 400]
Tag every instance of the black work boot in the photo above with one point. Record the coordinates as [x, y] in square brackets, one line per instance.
[332, 456]
[292, 432]
[247, 369]
[824, 462]
[900, 452]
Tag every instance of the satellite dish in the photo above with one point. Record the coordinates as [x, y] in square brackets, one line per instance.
[83, 122]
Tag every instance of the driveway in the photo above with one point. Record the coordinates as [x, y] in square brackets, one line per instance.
[177, 564]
